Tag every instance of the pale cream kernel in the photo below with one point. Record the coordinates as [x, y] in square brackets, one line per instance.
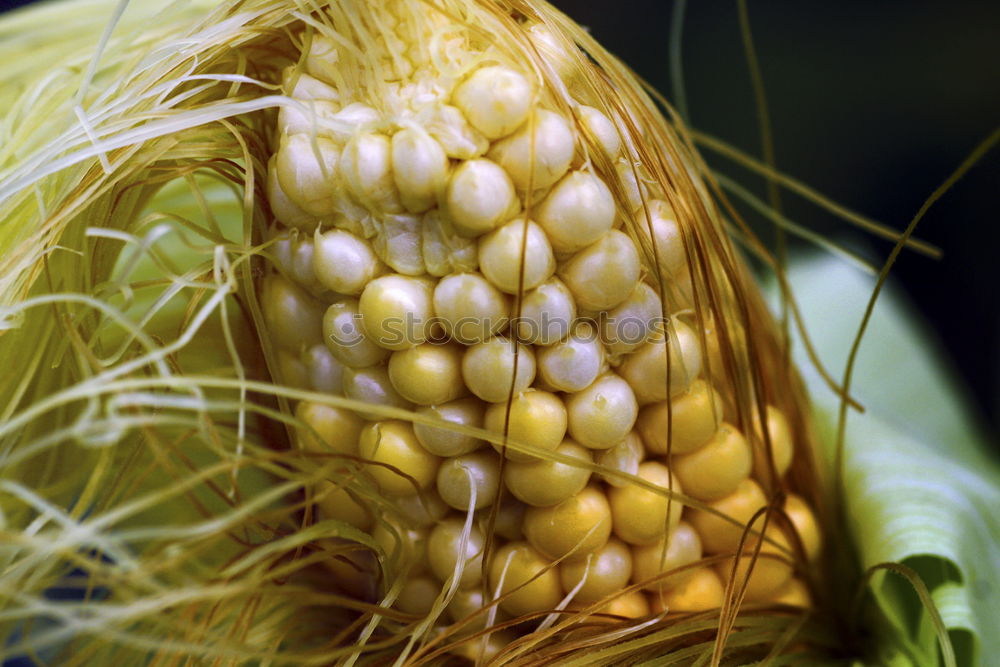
[547, 313]
[601, 129]
[539, 153]
[502, 262]
[495, 100]
[345, 339]
[419, 167]
[603, 275]
[578, 211]
[459, 139]
[343, 262]
[307, 169]
[572, 364]
[497, 368]
[366, 169]
[397, 312]
[470, 308]
[480, 196]
[284, 209]
[632, 322]
[302, 86]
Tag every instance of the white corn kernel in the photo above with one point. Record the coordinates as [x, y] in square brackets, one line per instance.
[652, 376]
[446, 442]
[492, 370]
[547, 313]
[480, 197]
[397, 311]
[601, 129]
[603, 274]
[345, 338]
[307, 171]
[343, 262]
[601, 415]
[572, 364]
[419, 168]
[495, 100]
[501, 259]
[366, 169]
[539, 153]
[578, 211]
[470, 308]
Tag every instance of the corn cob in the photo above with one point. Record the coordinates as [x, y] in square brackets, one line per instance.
[495, 268]
[515, 258]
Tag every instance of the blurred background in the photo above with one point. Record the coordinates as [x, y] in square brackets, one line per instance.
[874, 104]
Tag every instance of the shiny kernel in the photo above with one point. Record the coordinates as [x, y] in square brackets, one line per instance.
[690, 419]
[603, 572]
[346, 340]
[703, 590]
[505, 265]
[307, 169]
[546, 315]
[663, 239]
[460, 476]
[719, 534]
[572, 365]
[603, 275]
[446, 442]
[716, 468]
[539, 153]
[343, 262]
[479, 197]
[294, 318]
[445, 552]
[534, 418]
[428, 374]
[545, 482]
[373, 386]
[766, 575]
[806, 526]
[601, 129]
[328, 429]
[406, 467]
[419, 168]
[512, 567]
[633, 322]
[325, 373]
[649, 373]
[781, 441]
[601, 415]
[655, 564]
[640, 514]
[578, 211]
[495, 100]
[497, 368]
[470, 307]
[624, 457]
[284, 209]
[366, 170]
[577, 526]
[397, 311]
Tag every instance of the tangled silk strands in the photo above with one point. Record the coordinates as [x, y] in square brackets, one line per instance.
[152, 508]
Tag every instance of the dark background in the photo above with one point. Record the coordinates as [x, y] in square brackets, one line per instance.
[872, 103]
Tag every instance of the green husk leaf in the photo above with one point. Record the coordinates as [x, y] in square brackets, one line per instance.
[921, 488]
